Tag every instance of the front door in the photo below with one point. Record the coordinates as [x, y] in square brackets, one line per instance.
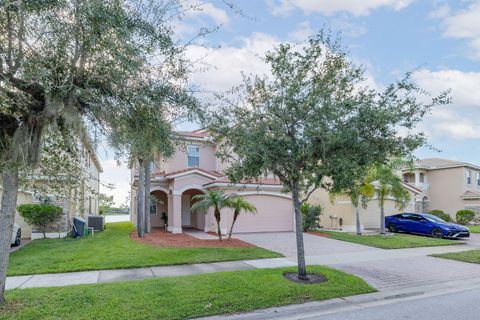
[185, 210]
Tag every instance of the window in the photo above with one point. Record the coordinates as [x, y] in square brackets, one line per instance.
[478, 179]
[153, 166]
[193, 153]
[469, 177]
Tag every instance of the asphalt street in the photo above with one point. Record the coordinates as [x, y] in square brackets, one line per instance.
[459, 305]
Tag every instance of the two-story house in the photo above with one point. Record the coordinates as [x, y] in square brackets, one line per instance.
[446, 185]
[195, 168]
[82, 200]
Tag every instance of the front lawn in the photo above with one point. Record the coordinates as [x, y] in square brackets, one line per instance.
[472, 256]
[179, 297]
[394, 241]
[474, 229]
[114, 249]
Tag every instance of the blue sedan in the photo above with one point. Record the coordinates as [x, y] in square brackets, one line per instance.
[425, 224]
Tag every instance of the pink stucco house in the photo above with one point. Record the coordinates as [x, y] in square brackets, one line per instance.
[194, 168]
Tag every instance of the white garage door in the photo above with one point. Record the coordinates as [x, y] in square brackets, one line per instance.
[274, 214]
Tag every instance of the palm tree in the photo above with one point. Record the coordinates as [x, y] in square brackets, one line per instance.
[238, 204]
[361, 193]
[388, 183]
[215, 199]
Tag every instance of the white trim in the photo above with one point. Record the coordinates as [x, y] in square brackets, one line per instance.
[343, 202]
[244, 185]
[49, 235]
[179, 192]
[193, 171]
[274, 194]
[158, 188]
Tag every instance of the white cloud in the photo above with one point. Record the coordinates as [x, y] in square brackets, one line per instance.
[465, 24]
[208, 9]
[117, 175]
[328, 7]
[227, 63]
[459, 119]
[303, 32]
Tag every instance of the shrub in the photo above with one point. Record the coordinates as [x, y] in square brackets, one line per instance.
[40, 215]
[464, 216]
[311, 215]
[442, 215]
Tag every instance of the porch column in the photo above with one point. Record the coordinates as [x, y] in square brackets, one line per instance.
[176, 224]
[417, 178]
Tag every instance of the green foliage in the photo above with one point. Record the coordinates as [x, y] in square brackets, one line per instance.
[212, 199]
[114, 249]
[311, 215]
[465, 216]
[442, 215]
[40, 215]
[314, 118]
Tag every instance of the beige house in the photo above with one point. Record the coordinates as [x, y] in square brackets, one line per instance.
[195, 168]
[339, 212]
[446, 185]
[83, 201]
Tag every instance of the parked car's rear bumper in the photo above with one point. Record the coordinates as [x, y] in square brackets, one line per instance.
[458, 234]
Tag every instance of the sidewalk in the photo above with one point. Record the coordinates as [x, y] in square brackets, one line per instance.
[102, 276]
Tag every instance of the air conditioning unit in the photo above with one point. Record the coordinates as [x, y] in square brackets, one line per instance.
[96, 222]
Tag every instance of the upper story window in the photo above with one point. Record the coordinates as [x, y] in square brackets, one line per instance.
[469, 177]
[478, 179]
[193, 153]
[153, 166]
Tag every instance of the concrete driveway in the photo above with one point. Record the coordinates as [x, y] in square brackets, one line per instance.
[285, 243]
[383, 269]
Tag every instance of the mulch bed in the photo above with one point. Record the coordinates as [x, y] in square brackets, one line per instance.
[320, 234]
[162, 238]
[311, 278]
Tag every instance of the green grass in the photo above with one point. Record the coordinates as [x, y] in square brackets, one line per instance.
[395, 241]
[178, 297]
[474, 229]
[472, 256]
[113, 249]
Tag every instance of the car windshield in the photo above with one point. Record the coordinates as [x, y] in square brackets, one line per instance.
[432, 218]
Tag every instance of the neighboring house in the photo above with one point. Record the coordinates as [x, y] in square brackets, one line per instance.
[340, 212]
[446, 185]
[83, 201]
[194, 168]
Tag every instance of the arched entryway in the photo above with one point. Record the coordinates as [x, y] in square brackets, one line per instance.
[158, 208]
[191, 219]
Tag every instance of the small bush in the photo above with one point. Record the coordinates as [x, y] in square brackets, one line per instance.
[442, 215]
[310, 215]
[464, 216]
[40, 215]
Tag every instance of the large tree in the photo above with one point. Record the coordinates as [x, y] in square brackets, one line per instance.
[66, 62]
[311, 118]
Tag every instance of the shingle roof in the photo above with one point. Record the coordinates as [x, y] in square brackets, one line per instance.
[169, 174]
[201, 133]
[437, 163]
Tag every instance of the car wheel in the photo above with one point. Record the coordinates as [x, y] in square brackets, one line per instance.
[18, 238]
[392, 228]
[437, 233]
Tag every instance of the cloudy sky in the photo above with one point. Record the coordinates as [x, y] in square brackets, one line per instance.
[440, 39]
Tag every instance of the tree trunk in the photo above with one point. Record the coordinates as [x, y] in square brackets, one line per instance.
[148, 227]
[382, 219]
[217, 217]
[302, 269]
[357, 216]
[140, 200]
[7, 218]
[235, 216]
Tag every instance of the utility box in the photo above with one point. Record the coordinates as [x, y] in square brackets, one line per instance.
[96, 222]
